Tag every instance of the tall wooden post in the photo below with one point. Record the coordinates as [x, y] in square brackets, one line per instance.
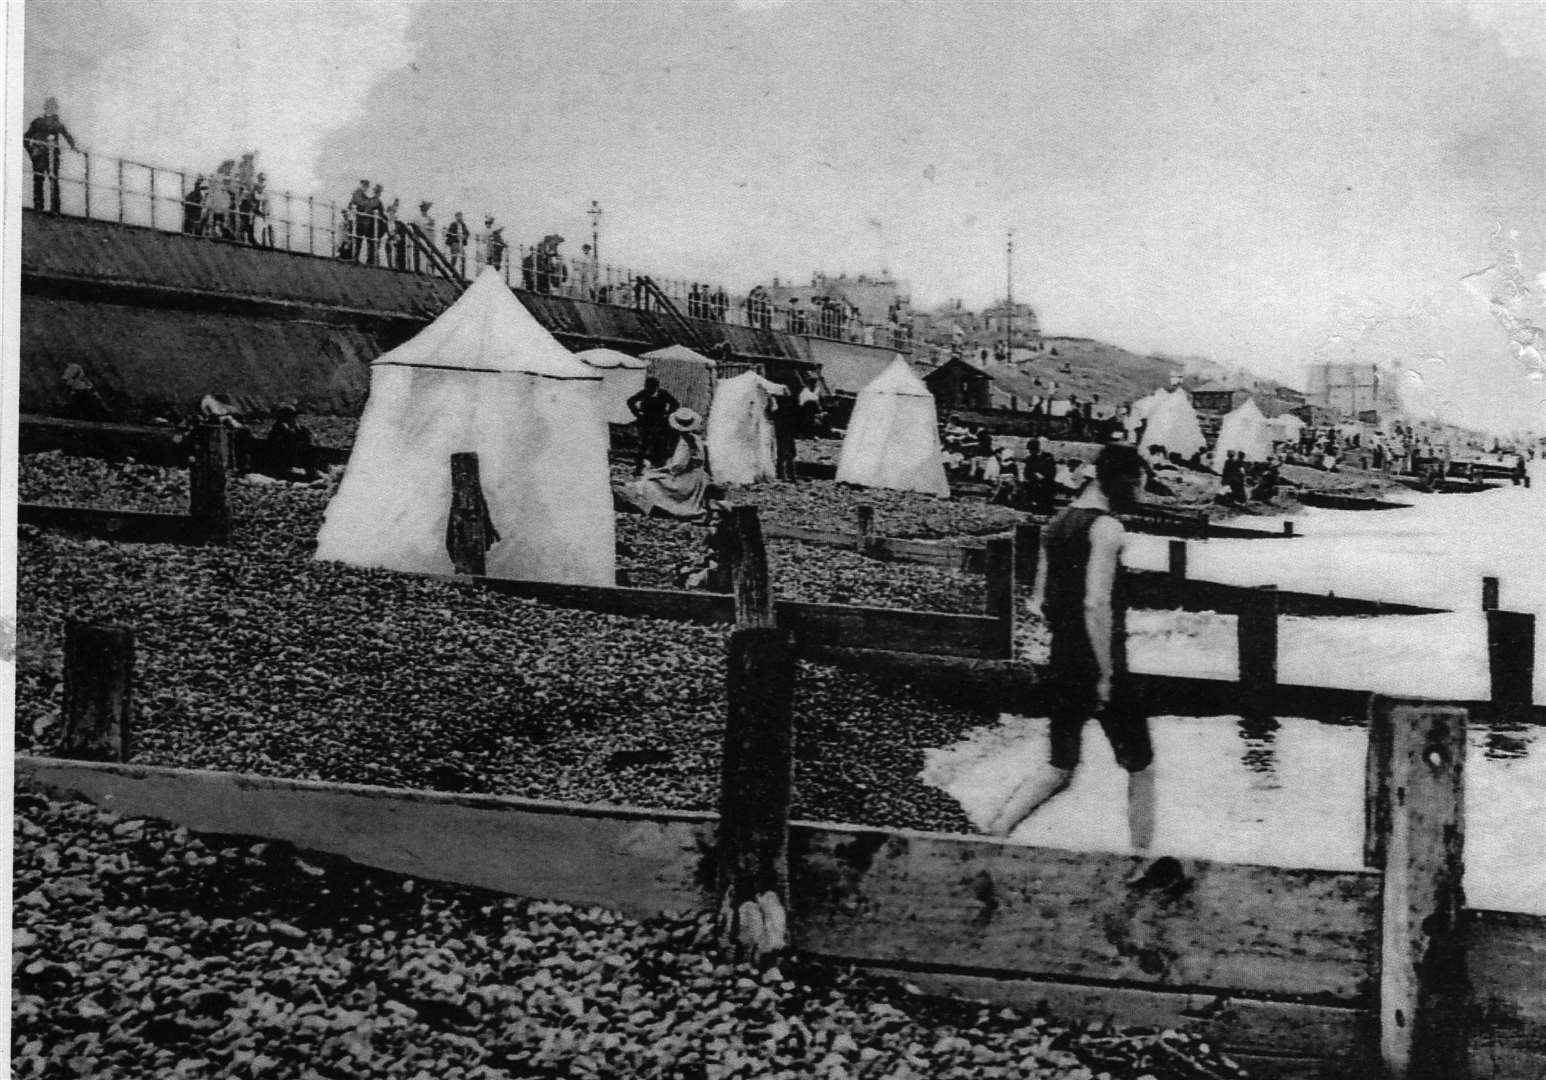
[207, 503]
[1376, 788]
[866, 517]
[98, 691]
[1288, 528]
[1489, 594]
[999, 566]
[1424, 993]
[757, 783]
[748, 569]
[1178, 560]
[1511, 656]
[467, 528]
[1027, 550]
[1257, 629]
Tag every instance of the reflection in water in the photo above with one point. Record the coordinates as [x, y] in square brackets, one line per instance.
[1285, 793]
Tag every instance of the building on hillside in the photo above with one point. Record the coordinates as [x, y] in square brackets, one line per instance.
[960, 384]
[1016, 323]
[864, 301]
[1215, 399]
[1352, 389]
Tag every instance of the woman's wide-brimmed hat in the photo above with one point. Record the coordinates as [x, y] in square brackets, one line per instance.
[685, 419]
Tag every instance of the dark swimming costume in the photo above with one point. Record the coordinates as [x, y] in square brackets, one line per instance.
[1073, 671]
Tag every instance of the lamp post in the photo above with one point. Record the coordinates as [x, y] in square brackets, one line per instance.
[594, 213]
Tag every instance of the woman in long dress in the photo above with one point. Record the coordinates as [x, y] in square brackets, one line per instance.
[679, 487]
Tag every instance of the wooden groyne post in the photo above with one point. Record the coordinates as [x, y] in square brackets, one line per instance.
[999, 602]
[207, 502]
[1178, 560]
[1511, 656]
[1415, 834]
[869, 546]
[757, 776]
[1489, 594]
[98, 691]
[1257, 632]
[1027, 551]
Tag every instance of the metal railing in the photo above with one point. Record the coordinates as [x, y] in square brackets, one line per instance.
[219, 208]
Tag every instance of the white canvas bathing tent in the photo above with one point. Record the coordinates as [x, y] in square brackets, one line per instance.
[1247, 431]
[740, 432]
[1172, 423]
[484, 377]
[622, 376]
[686, 375]
[893, 435]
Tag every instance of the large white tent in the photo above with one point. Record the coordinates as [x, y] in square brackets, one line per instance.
[1247, 431]
[622, 376]
[484, 377]
[740, 432]
[1287, 427]
[1172, 423]
[893, 435]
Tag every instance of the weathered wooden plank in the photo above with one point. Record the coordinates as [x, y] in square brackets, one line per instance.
[1305, 1040]
[1511, 656]
[982, 907]
[145, 443]
[925, 632]
[676, 604]
[123, 526]
[1506, 961]
[1162, 590]
[637, 861]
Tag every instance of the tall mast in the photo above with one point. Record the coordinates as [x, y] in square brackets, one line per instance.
[1009, 297]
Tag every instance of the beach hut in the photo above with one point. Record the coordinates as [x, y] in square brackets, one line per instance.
[483, 377]
[1247, 431]
[1172, 423]
[622, 376]
[686, 375]
[740, 431]
[893, 436]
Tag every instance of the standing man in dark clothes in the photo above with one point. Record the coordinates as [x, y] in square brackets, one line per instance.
[1078, 588]
[786, 423]
[1234, 476]
[652, 408]
[372, 218]
[193, 207]
[457, 234]
[41, 142]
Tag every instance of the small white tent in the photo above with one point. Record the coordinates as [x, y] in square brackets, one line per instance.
[483, 377]
[1247, 431]
[893, 435]
[622, 376]
[740, 434]
[1286, 428]
[1172, 423]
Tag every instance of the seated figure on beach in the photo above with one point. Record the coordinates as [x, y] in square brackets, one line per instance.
[680, 486]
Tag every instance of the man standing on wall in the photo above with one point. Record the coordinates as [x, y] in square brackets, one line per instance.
[1078, 588]
[41, 141]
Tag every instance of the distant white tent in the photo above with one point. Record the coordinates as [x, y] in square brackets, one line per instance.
[686, 375]
[893, 435]
[1142, 408]
[483, 377]
[622, 376]
[1172, 423]
[1246, 431]
[740, 432]
[1287, 427]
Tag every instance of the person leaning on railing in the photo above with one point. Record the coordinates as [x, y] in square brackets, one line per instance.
[41, 142]
[457, 235]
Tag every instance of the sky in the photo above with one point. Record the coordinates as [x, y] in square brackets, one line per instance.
[1264, 184]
